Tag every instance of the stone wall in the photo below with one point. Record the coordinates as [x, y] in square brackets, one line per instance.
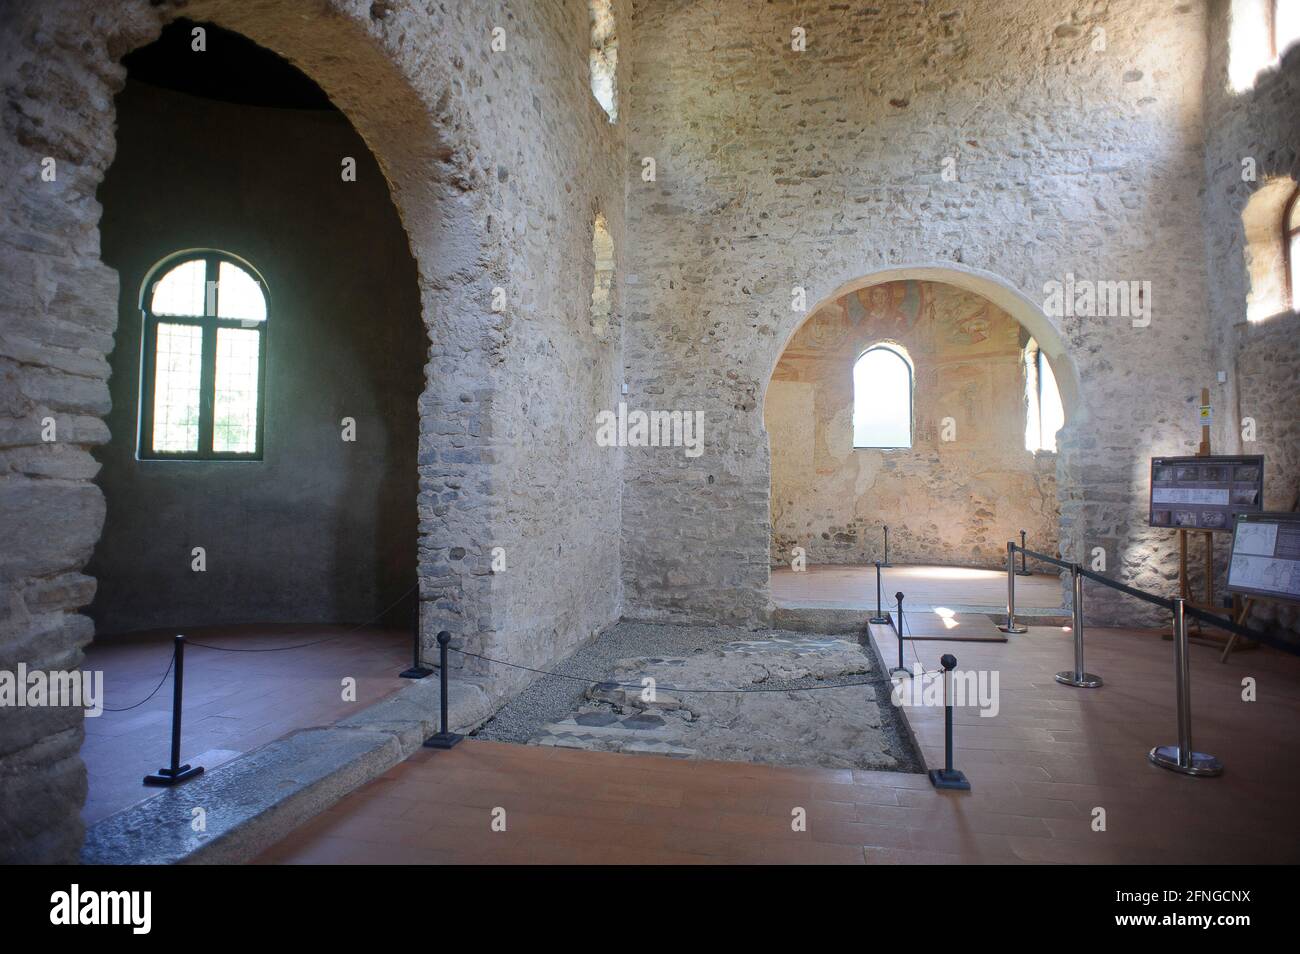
[1075, 136]
[955, 500]
[319, 529]
[497, 161]
[1252, 160]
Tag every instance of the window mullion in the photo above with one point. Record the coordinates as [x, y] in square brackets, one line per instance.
[148, 382]
[208, 375]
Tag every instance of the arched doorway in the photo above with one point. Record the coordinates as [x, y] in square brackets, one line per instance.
[414, 128]
[976, 464]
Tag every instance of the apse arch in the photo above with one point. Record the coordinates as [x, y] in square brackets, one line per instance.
[983, 283]
[997, 292]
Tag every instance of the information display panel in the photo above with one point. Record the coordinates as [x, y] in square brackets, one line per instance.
[1205, 493]
[1266, 556]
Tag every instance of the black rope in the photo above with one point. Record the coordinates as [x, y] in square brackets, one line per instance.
[316, 642]
[908, 626]
[155, 688]
[658, 688]
[1194, 612]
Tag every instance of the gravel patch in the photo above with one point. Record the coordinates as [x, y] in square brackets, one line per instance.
[551, 698]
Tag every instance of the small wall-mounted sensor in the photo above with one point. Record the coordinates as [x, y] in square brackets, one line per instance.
[1223, 377]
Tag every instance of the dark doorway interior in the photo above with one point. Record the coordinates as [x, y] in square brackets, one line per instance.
[235, 150]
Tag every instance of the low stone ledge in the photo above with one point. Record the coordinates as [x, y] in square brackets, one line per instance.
[255, 800]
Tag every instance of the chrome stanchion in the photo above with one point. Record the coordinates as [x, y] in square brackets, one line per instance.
[1080, 677]
[1011, 625]
[900, 668]
[1182, 757]
[1024, 570]
[880, 619]
[948, 777]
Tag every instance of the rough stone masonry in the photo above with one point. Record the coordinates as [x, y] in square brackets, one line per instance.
[1088, 138]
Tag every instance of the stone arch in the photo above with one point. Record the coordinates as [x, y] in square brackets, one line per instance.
[985, 284]
[1010, 300]
[61, 69]
[1265, 254]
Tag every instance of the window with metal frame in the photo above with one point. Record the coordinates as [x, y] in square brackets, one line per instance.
[203, 365]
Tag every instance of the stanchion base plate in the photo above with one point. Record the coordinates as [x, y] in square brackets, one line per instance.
[166, 776]
[954, 780]
[879, 620]
[1166, 756]
[1017, 629]
[1086, 681]
[443, 740]
[415, 672]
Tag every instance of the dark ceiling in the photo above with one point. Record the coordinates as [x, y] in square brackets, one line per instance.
[232, 69]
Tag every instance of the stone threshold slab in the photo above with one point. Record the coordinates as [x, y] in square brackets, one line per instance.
[806, 619]
[251, 802]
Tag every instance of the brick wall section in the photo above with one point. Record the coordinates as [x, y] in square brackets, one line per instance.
[778, 169]
[497, 163]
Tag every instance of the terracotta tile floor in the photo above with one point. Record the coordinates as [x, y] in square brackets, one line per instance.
[234, 702]
[1038, 770]
[854, 587]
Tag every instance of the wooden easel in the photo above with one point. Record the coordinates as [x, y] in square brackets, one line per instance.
[1184, 584]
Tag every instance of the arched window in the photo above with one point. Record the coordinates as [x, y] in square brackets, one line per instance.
[603, 57]
[882, 399]
[1291, 247]
[1044, 414]
[1284, 25]
[203, 368]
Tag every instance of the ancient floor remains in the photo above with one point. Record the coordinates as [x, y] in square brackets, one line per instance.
[769, 697]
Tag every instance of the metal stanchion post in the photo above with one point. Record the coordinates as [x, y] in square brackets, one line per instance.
[417, 670]
[1024, 570]
[880, 619]
[1182, 757]
[900, 667]
[1011, 625]
[176, 772]
[1080, 677]
[948, 777]
[885, 562]
[443, 739]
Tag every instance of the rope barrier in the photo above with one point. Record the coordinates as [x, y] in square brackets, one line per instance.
[274, 649]
[155, 688]
[1205, 616]
[280, 649]
[658, 688]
